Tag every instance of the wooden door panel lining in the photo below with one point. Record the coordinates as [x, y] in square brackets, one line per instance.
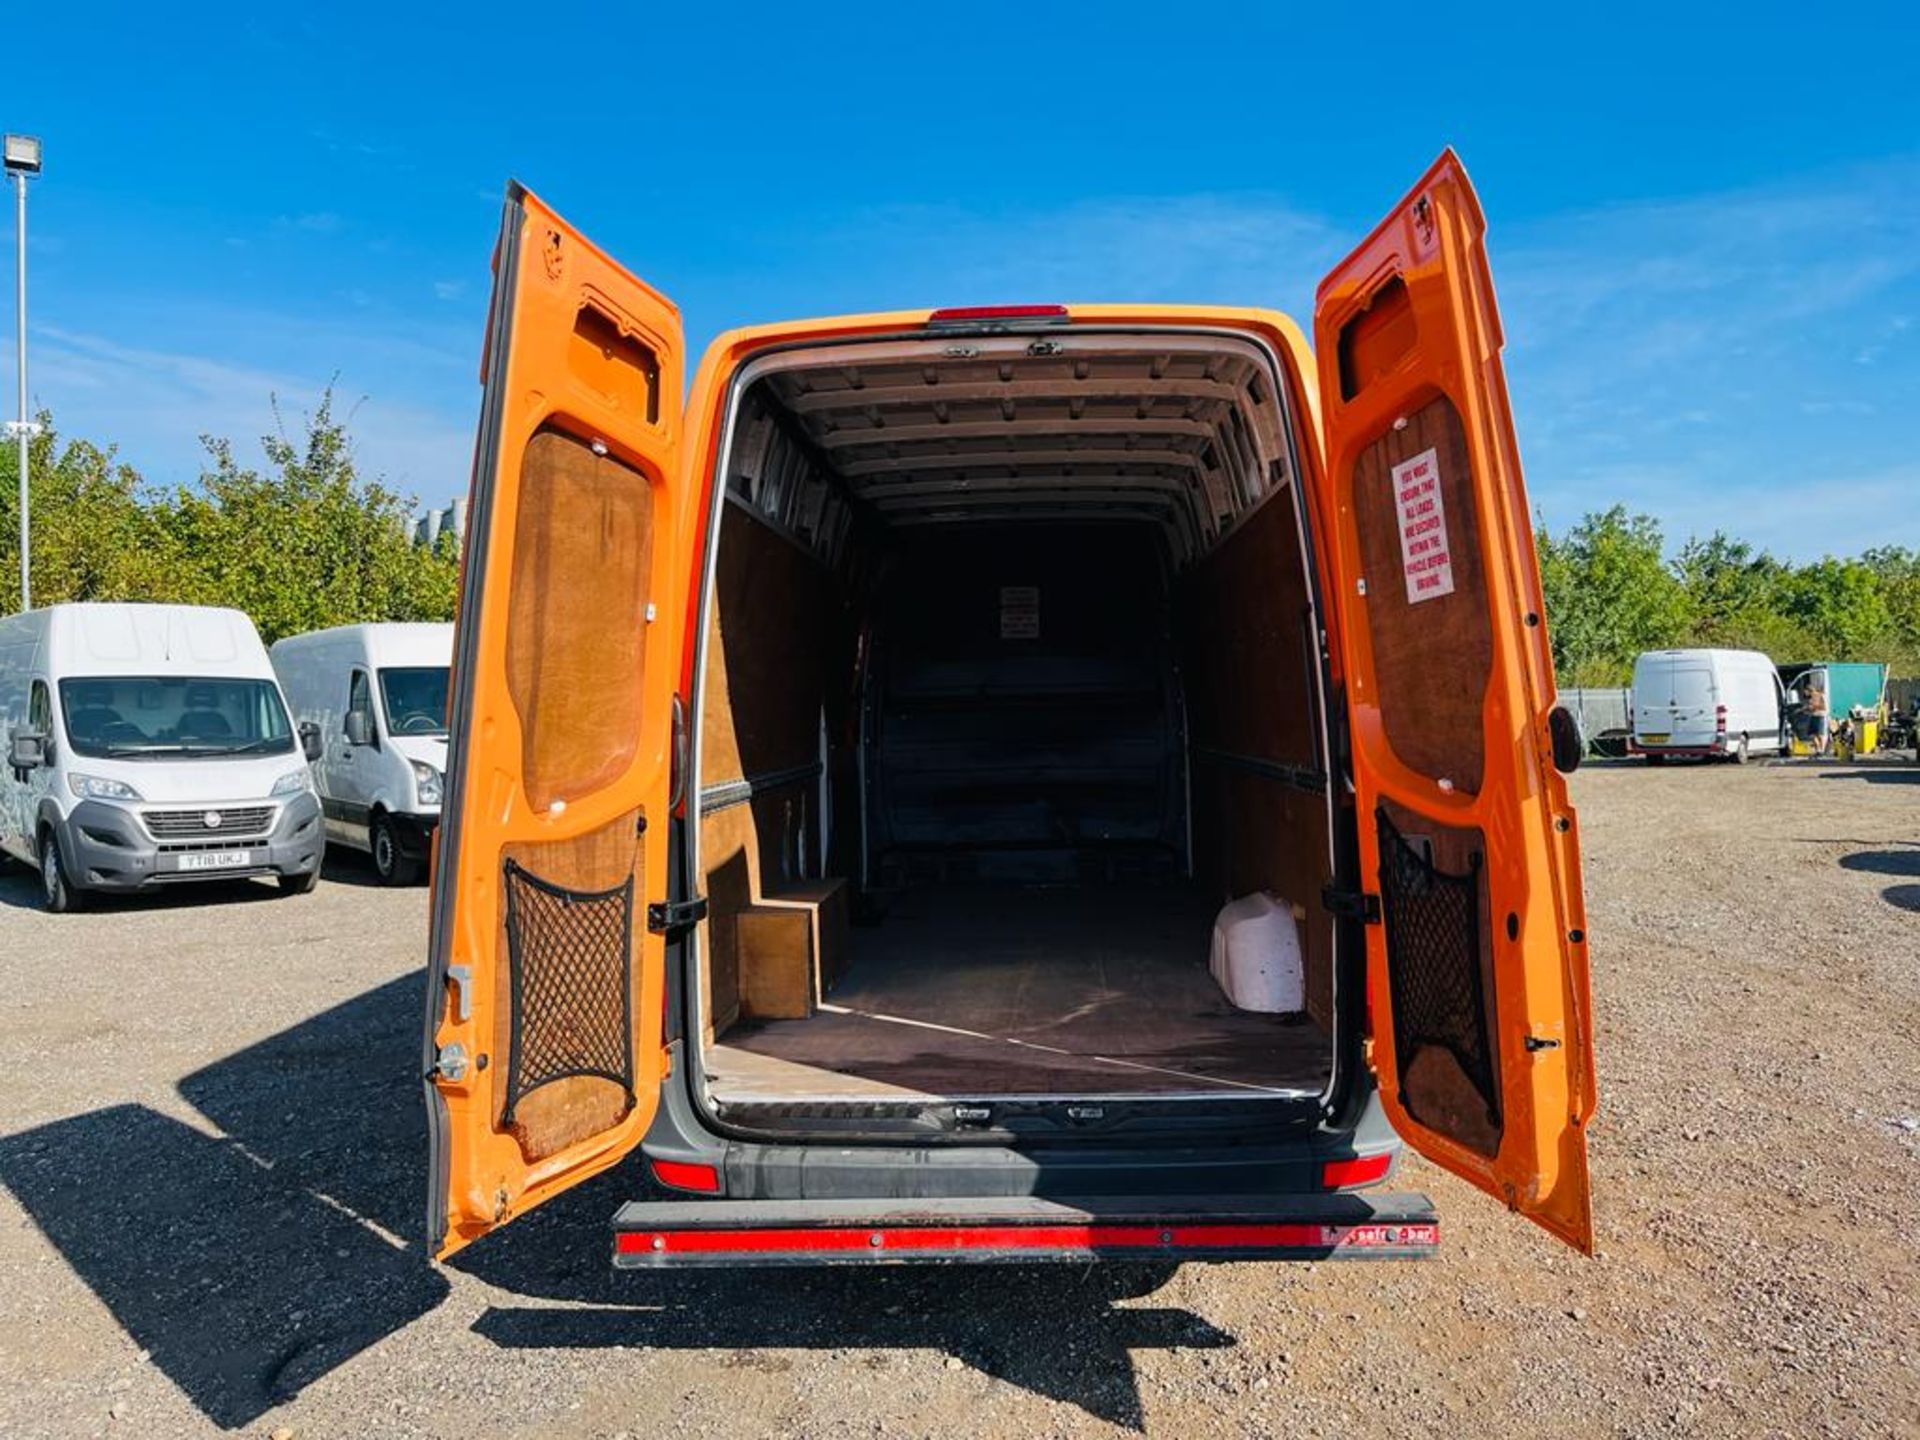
[1432, 659]
[583, 547]
[549, 1119]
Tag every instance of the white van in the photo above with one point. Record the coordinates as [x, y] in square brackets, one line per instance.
[148, 745]
[1706, 704]
[378, 696]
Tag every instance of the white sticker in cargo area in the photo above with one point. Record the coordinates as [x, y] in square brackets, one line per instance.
[1424, 552]
[1019, 612]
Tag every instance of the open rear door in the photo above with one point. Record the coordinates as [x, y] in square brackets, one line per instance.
[543, 1039]
[1477, 971]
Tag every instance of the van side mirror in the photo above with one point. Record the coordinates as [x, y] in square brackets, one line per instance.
[1563, 733]
[359, 727]
[27, 750]
[310, 743]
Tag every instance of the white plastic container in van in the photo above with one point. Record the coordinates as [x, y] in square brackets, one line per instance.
[149, 745]
[378, 696]
[1706, 704]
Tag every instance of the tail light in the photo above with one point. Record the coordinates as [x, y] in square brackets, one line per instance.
[1719, 719]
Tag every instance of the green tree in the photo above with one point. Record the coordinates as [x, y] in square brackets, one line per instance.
[1841, 606]
[305, 542]
[95, 534]
[1609, 595]
[1729, 587]
[1898, 569]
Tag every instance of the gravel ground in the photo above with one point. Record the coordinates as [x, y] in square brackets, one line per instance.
[212, 1171]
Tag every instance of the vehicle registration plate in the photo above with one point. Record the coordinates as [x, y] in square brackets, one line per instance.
[1660, 739]
[217, 860]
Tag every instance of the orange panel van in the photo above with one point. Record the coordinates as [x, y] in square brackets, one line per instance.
[1011, 783]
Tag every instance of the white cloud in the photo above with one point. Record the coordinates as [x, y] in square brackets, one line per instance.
[155, 403]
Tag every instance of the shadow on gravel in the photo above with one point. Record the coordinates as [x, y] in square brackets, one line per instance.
[349, 867]
[20, 889]
[1054, 1330]
[1053, 1335]
[1889, 773]
[251, 1264]
[19, 886]
[1905, 897]
[1884, 862]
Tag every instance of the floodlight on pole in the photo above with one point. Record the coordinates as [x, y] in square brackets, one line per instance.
[21, 154]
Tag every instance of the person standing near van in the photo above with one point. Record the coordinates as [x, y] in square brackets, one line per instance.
[1817, 717]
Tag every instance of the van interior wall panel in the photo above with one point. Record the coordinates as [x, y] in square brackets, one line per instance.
[1248, 671]
[558, 1114]
[1433, 713]
[778, 657]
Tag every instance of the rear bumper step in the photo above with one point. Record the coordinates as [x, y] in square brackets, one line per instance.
[682, 1234]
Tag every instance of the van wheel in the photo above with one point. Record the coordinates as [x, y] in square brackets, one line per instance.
[390, 862]
[57, 893]
[300, 884]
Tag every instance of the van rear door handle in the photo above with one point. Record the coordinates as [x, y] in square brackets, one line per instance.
[460, 978]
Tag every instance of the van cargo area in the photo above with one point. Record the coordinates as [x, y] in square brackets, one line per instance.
[1011, 685]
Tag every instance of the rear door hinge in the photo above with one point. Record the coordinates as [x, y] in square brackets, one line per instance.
[676, 917]
[1351, 905]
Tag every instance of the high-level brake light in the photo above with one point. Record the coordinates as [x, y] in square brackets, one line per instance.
[991, 314]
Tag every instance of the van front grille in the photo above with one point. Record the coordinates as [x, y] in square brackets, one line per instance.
[209, 822]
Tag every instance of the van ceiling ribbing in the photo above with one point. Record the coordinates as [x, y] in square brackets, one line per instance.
[1185, 434]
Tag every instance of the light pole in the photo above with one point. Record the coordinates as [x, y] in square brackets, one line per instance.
[22, 155]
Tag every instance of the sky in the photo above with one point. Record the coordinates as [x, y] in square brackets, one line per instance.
[1705, 233]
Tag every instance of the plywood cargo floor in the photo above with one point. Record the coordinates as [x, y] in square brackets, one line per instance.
[992, 990]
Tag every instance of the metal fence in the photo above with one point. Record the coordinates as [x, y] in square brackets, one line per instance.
[1605, 716]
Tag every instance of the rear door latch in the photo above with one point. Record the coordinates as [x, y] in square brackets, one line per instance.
[1351, 905]
[676, 917]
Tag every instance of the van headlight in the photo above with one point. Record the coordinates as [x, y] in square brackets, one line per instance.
[426, 783]
[99, 787]
[294, 782]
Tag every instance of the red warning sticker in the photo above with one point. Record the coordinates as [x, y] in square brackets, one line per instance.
[1424, 553]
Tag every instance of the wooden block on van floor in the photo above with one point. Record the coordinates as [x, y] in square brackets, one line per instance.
[792, 947]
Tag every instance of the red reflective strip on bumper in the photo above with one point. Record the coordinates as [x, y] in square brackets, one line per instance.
[684, 1175]
[934, 1239]
[1363, 1170]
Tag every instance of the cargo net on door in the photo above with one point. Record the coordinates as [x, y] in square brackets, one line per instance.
[1442, 1028]
[569, 957]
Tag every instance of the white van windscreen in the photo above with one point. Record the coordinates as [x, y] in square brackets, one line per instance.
[133, 716]
[416, 699]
